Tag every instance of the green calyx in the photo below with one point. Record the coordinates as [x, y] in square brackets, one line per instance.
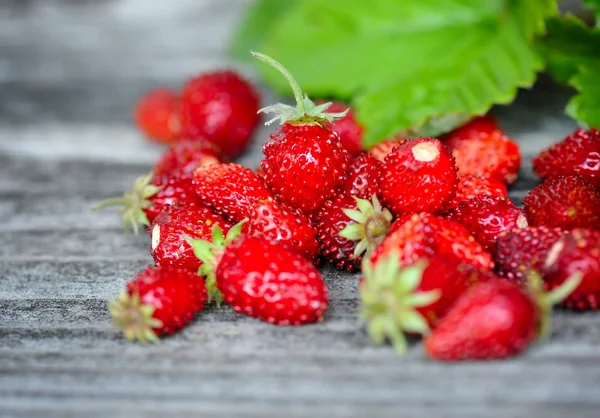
[134, 203]
[305, 112]
[546, 300]
[372, 223]
[389, 297]
[134, 318]
[210, 254]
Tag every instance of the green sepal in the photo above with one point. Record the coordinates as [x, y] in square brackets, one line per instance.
[134, 318]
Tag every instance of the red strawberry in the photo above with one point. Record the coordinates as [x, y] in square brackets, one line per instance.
[285, 226]
[362, 177]
[476, 127]
[220, 107]
[423, 235]
[173, 226]
[577, 154]
[567, 202]
[160, 300]
[348, 128]
[184, 157]
[418, 176]
[493, 155]
[157, 115]
[411, 299]
[149, 195]
[381, 150]
[305, 162]
[576, 253]
[519, 250]
[470, 186]
[495, 319]
[265, 280]
[229, 190]
[486, 216]
[349, 228]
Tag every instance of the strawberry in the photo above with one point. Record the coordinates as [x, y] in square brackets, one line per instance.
[289, 227]
[229, 189]
[470, 186]
[348, 128]
[220, 107]
[577, 253]
[476, 127]
[423, 234]
[184, 157]
[495, 319]
[159, 301]
[157, 115]
[519, 250]
[349, 228]
[411, 299]
[149, 195]
[566, 201]
[305, 162]
[381, 150]
[486, 216]
[418, 176]
[576, 155]
[171, 229]
[362, 177]
[493, 155]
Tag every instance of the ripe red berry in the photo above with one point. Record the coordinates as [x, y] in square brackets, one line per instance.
[566, 202]
[229, 190]
[184, 157]
[470, 186]
[486, 216]
[265, 280]
[362, 177]
[493, 155]
[577, 154]
[160, 300]
[381, 150]
[174, 225]
[347, 127]
[520, 250]
[157, 115]
[220, 107]
[418, 176]
[476, 127]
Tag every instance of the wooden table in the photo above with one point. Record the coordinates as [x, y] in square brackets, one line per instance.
[69, 74]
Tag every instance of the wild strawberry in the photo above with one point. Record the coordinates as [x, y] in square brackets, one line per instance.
[520, 250]
[381, 150]
[184, 157]
[284, 225]
[220, 107]
[493, 155]
[577, 154]
[476, 127]
[411, 299]
[159, 301]
[348, 128]
[567, 202]
[305, 162]
[349, 228]
[418, 176]
[577, 253]
[172, 228]
[362, 177]
[424, 234]
[494, 319]
[149, 195]
[229, 190]
[470, 186]
[486, 216]
[157, 115]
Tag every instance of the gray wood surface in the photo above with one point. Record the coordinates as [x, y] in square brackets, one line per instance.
[69, 73]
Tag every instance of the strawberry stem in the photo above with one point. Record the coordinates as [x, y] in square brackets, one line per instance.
[288, 76]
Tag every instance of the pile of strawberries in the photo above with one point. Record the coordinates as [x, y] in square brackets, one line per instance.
[443, 252]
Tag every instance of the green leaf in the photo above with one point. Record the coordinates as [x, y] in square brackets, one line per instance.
[595, 5]
[410, 64]
[569, 44]
[585, 106]
[252, 31]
